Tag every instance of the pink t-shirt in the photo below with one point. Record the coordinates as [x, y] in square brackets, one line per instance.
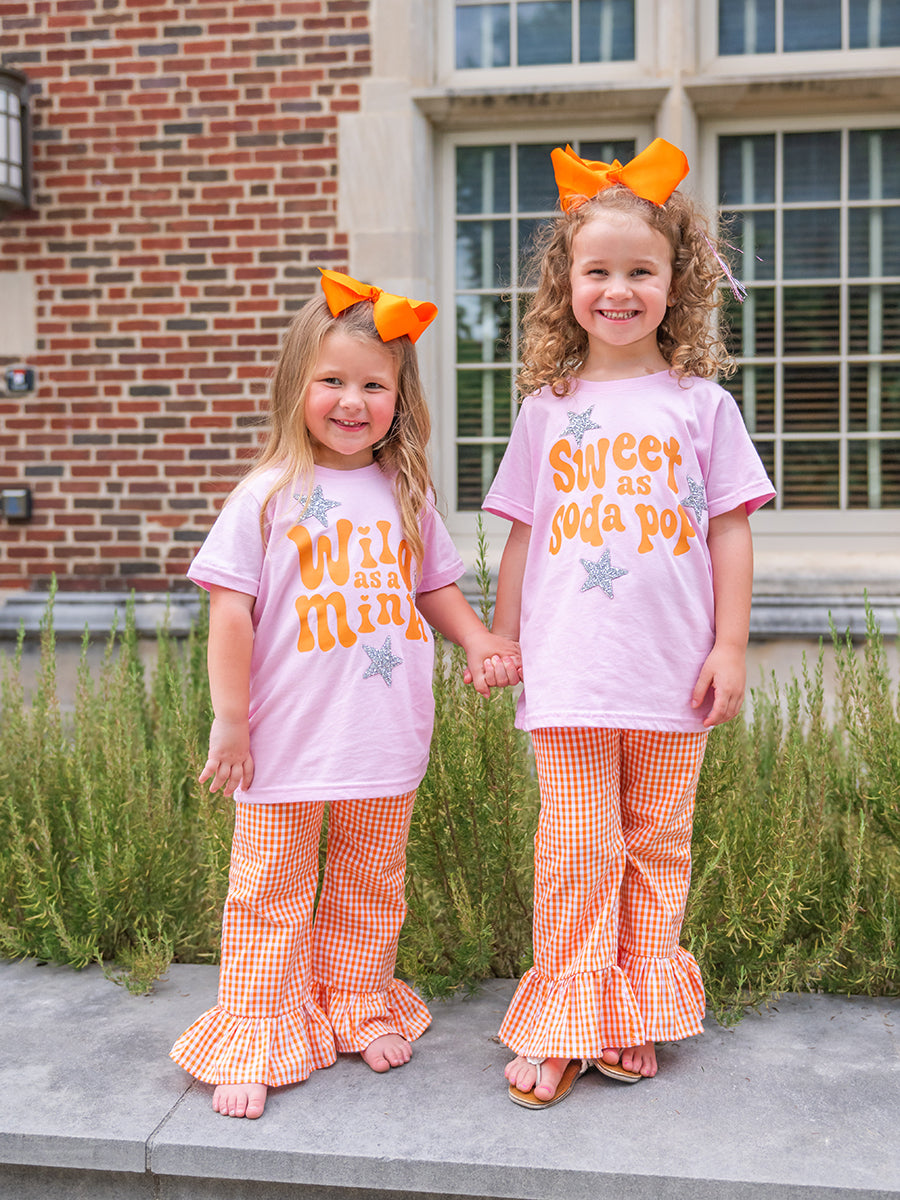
[341, 706]
[618, 481]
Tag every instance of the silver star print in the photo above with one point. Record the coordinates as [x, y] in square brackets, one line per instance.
[318, 506]
[601, 574]
[382, 661]
[579, 424]
[697, 499]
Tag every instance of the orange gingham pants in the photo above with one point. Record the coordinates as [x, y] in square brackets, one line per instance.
[612, 870]
[292, 991]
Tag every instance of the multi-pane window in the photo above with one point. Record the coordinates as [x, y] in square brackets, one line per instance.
[526, 33]
[503, 194]
[786, 26]
[816, 218]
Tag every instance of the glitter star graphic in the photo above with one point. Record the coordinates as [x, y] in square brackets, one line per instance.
[318, 506]
[697, 499]
[383, 661]
[601, 574]
[579, 424]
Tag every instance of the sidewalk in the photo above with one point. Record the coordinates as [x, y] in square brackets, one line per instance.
[800, 1102]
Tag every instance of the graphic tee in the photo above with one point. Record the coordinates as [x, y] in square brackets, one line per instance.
[341, 702]
[619, 481]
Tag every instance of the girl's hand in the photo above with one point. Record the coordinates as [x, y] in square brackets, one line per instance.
[492, 662]
[229, 764]
[725, 672]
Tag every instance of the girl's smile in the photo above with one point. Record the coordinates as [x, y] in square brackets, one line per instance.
[621, 278]
[351, 400]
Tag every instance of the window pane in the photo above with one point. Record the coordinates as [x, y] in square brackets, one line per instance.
[812, 25]
[874, 474]
[812, 166]
[483, 405]
[874, 164]
[874, 401]
[874, 241]
[874, 319]
[812, 243]
[747, 170]
[482, 254]
[482, 36]
[476, 467]
[811, 399]
[746, 26]
[810, 476]
[482, 329]
[812, 320]
[751, 237]
[751, 325]
[874, 23]
[536, 187]
[482, 179]
[623, 150]
[545, 31]
[607, 30]
[754, 390]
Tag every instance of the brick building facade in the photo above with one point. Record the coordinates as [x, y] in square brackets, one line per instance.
[184, 163]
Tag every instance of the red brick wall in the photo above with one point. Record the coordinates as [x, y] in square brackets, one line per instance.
[184, 196]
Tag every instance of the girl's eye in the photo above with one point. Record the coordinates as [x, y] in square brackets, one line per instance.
[375, 386]
[331, 379]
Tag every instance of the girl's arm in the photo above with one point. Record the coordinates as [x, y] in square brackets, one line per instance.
[508, 609]
[447, 610]
[731, 554]
[229, 764]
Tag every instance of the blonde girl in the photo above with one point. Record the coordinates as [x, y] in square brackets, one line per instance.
[628, 479]
[325, 569]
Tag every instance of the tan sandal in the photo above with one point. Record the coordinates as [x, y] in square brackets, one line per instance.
[616, 1071]
[574, 1071]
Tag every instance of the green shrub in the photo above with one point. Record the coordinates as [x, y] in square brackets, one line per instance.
[111, 851]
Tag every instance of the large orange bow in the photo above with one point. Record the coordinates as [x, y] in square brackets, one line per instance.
[654, 174]
[394, 315]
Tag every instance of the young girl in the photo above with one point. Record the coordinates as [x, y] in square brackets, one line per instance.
[321, 568]
[628, 480]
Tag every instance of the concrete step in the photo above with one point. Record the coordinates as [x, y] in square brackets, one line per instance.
[798, 1102]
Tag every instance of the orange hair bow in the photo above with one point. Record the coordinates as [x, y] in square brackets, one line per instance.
[394, 315]
[654, 174]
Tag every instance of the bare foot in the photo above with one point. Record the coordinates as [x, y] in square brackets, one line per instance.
[522, 1074]
[240, 1100]
[640, 1059]
[389, 1050]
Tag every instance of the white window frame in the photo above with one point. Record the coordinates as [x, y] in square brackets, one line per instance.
[550, 76]
[799, 523]
[791, 64]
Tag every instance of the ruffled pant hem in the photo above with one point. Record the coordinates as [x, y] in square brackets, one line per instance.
[577, 1016]
[223, 1048]
[668, 992]
[357, 1018]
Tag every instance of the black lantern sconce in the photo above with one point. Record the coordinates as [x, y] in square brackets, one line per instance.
[15, 142]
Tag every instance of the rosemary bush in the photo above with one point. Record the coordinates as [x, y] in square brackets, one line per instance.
[110, 850]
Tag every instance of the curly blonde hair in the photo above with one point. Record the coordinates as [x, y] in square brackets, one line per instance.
[401, 453]
[555, 346]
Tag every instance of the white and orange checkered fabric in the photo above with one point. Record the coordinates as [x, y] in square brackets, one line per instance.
[612, 869]
[294, 992]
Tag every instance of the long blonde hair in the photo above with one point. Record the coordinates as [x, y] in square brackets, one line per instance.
[554, 345]
[401, 453]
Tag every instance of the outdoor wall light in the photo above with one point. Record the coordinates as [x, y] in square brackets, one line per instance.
[15, 142]
[15, 503]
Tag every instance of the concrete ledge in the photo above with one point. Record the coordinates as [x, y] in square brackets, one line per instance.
[796, 1103]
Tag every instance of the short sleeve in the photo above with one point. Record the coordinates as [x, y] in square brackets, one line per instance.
[442, 564]
[735, 474]
[233, 553]
[511, 495]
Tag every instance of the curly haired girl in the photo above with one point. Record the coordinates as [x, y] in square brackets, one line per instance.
[628, 479]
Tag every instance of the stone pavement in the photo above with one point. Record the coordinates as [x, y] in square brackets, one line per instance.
[798, 1102]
